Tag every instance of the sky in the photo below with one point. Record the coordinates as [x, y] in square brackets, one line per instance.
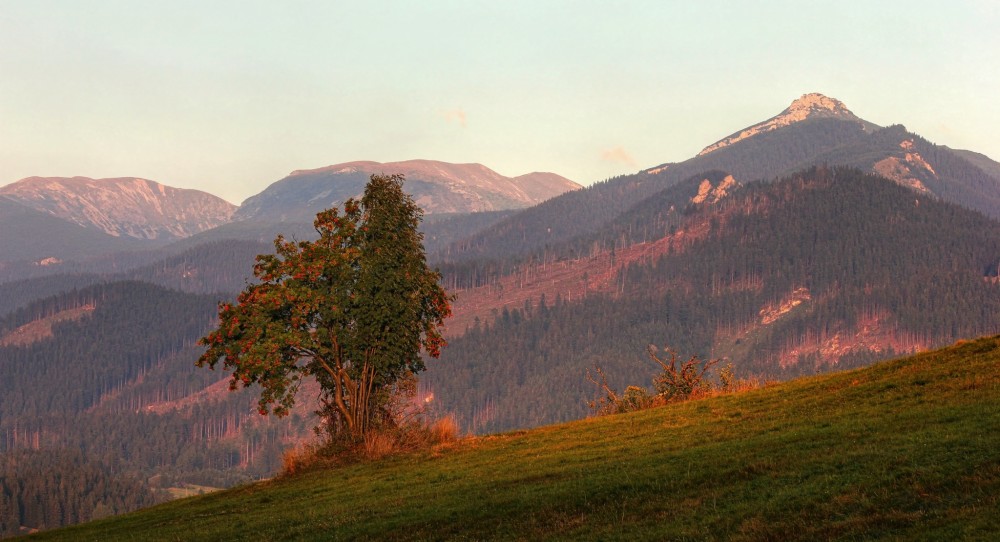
[230, 96]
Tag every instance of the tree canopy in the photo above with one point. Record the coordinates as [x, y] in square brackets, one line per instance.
[353, 309]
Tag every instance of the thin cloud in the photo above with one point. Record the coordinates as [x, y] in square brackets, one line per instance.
[456, 115]
[619, 155]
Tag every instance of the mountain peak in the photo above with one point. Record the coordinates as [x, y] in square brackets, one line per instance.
[816, 104]
[808, 106]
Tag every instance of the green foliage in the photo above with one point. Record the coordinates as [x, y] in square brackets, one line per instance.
[905, 450]
[352, 309]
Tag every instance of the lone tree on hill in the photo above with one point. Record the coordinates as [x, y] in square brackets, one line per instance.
[352, 309]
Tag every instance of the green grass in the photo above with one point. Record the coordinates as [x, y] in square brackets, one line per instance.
[188, 490]
[904, 450]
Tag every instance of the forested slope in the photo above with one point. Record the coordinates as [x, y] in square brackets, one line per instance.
[106, 374]
[46, 489]
[583, 212]
[828, 268]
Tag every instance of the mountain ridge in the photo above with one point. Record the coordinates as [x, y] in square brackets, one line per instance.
[437, 187]
[808, 106]
[123, 206]
[813, 130]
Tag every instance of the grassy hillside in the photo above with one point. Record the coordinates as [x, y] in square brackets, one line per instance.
[906, 449]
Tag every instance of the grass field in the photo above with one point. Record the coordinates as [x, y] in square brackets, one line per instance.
[907, 450]
[188, 490]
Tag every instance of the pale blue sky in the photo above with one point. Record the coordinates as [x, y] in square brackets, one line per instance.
[230, 96]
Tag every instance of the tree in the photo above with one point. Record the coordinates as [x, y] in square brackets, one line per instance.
[353, 309]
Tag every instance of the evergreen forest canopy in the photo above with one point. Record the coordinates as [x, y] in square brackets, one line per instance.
[909, 271]
[118, 420]
[46, 489]
[547, 231]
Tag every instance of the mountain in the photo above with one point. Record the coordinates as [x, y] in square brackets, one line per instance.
[39, 239]
[123, 207]
[108, 226]
[809, 106]
[213, 267]
[906, 450]
[438, 187]
[20, 293]
[814, 129]
[79, 225]
[826, 269]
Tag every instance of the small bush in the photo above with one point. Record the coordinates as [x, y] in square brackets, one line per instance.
[418, 434]
[676, 382]
[635, 398]
[727, 378]
[730, 383]
[444, 430]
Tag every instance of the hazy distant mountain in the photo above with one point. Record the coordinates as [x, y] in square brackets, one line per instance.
[30, 235]
[438, 187]
[123, 207]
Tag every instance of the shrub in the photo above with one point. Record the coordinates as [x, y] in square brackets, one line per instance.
[678, 382]
[298, 457]
[404, 425]
[635, 398]
[444, 430]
